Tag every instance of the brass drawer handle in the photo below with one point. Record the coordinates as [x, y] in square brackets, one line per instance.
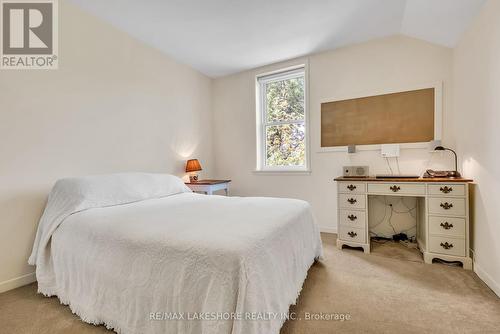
[395, 188]
[352, 234]
[352, 217]
[446, 245]
[446, 205]
[446, 189]
[351, 187]
[352, 200]
[446, 225]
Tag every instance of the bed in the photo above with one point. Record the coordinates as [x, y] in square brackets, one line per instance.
[141, 253]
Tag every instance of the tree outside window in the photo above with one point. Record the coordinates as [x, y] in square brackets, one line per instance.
[283, 121]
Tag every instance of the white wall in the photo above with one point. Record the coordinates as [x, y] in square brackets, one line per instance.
[384, 64]
[477, 119]
[114, 105]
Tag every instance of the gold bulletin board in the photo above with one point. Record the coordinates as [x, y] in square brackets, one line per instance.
[404, 117]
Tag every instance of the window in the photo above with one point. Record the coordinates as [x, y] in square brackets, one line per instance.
[282, 117]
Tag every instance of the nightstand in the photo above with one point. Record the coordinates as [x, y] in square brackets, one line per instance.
[209, 186]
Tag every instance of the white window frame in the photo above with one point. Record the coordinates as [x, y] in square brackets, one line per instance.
[261, 81]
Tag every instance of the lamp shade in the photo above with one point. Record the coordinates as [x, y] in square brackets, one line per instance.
[193, 165]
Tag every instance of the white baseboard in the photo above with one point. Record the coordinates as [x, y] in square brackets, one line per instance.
[17, 282]
[486, 278]
[326, 229]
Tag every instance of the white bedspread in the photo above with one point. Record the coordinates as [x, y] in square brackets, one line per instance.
[187, 255]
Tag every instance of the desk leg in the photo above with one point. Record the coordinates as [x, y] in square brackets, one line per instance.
[209, 191]
[227, 192]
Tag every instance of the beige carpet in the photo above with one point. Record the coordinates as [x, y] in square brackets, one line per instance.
[395, 250]
[380, 294]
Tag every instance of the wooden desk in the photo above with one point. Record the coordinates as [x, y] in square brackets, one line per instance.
[209, 186]
[442, 214]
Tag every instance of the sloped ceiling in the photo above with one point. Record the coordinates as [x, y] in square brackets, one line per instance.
[220, 37]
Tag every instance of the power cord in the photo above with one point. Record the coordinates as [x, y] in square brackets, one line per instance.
[390, 206]
[389, 165]
[397, 163]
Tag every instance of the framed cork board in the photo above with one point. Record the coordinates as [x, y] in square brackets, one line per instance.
[400, 117]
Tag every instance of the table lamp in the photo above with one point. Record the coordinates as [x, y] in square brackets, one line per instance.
[454, 173]
[193, 166]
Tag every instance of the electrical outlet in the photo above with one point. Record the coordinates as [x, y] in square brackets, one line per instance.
[389, 150]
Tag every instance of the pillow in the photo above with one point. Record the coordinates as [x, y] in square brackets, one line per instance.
[115, 189]
[72, 195]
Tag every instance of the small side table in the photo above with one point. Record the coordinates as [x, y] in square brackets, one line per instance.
[209, 186]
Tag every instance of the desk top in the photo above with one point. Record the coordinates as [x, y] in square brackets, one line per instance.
[209, 182]
[393, 179]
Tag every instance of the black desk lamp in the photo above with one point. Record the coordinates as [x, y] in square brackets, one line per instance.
[454, 173]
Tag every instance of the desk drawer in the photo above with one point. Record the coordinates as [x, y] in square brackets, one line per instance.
[447, 206]
[397, 188]
[352, 234]
[448, 226]
[351, 201]
[353, 218]
[352, 187]
[447, 189]
[448, 246]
